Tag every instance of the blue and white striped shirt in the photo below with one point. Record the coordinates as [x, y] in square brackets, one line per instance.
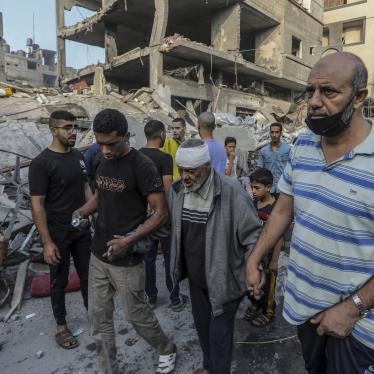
[274, 161]
[332, 248]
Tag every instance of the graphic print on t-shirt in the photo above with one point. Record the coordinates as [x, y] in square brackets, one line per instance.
[110, 184]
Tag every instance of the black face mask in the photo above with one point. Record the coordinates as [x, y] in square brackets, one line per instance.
[332, 125]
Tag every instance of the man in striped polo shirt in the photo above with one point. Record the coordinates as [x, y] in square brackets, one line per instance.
[328, 186]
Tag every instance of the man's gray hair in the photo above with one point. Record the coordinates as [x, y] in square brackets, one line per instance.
[360, 74]
[192, 143]
[207, 121]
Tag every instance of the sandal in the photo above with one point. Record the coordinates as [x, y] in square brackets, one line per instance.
[66, 340]
[261, 321]
[251, 313]
[166, 363]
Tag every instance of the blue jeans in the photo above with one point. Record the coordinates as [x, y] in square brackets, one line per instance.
[150, 270]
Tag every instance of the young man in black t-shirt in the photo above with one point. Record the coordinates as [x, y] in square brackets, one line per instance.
[126, 183]
[58, 186]
[155, 133]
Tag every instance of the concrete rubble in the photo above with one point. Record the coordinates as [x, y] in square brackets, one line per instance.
[238, 64]
[23, 124]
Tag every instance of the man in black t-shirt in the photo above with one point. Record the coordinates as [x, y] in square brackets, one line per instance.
[126, 183]
[58, 186]
[155, 133]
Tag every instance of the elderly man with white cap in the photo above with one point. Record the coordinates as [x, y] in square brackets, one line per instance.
[213, 228]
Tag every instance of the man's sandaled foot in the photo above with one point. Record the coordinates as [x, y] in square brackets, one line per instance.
[262, 320]
[179, 306]
[66, 340]
[166, 363]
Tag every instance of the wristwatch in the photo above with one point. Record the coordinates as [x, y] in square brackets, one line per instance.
[363, 312]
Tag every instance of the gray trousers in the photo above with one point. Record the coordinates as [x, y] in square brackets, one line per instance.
[104, 281]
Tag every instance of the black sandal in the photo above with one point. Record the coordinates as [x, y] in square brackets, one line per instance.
[261, 321]
[66, 340]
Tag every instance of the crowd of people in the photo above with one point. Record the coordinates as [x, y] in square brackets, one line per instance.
[187, 198]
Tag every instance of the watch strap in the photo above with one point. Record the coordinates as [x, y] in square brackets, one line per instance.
[360, 306]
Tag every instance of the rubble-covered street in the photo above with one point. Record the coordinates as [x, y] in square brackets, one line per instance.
[27, 340]
[236, 135]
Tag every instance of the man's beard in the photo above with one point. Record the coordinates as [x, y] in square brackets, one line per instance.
[198, 183]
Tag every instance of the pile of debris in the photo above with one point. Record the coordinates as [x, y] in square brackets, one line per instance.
[24, 114]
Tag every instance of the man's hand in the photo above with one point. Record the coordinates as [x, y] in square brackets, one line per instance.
[51, 253]
[273, 266]
[232, 156]
[338, 320]
[76, 214]
[117, 247]
[253, 279]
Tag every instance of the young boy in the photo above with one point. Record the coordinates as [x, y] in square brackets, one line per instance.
[262, 311]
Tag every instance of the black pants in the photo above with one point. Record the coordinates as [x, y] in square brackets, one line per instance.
[150, 270]
[329, 355]
[215, 333]
[77, 244]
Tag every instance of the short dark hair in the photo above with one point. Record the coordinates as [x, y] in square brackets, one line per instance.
[153, 128]
[207, 121]
[180, 120]
[263, 176]
[230, 139]
[60, 115]
[192, 143]
[276, 124]
[109, 120]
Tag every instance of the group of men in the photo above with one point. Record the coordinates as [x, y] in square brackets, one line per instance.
[209, 231]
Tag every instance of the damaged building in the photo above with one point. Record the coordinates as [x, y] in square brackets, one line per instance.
[234, 56]
[349, 26]
[33, 66]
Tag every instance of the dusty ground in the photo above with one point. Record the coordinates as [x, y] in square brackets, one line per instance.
[22, 338]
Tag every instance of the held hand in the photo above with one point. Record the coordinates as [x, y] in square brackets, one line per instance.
[337, 321]
[273, 266]
[76, 214]
[253, 278]
[117, 247]
[51, 254]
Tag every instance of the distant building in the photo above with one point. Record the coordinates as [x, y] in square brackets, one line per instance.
[34, 66]
[349, 26]
[235, 54]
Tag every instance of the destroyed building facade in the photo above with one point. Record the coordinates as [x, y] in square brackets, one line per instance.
[34, 66]
[349, 26]
[231, 54]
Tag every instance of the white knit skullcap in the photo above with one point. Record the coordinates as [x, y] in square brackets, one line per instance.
[192, 157]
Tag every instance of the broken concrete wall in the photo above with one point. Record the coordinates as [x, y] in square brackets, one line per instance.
[299, 24]
[270, 7]
[268, 44]
[316, 8]
[225, 33]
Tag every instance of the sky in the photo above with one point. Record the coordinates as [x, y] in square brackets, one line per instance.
[18, 26]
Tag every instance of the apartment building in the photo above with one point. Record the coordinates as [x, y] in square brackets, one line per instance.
[349, 26]
[236, 53]
[34, 65]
